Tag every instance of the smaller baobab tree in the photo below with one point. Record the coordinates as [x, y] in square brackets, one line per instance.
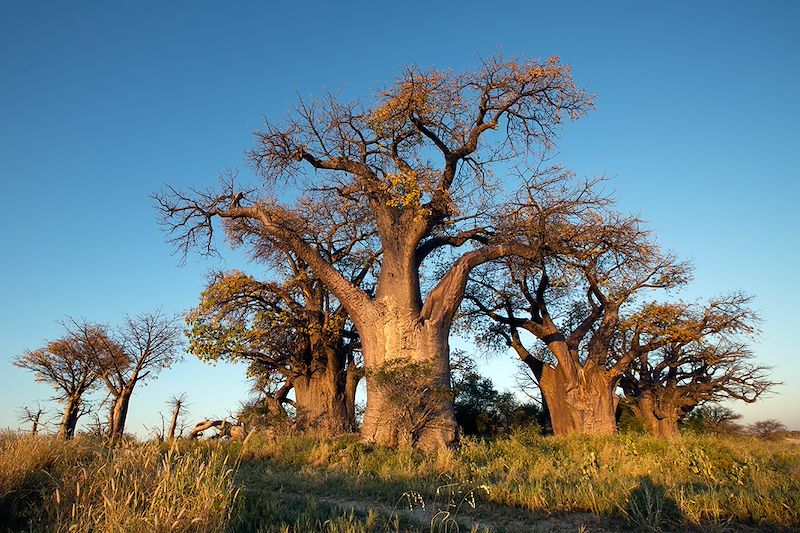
[702, 356]
[144, 345]
[294, 335]
[592, 264]
[68, 365]
[178, 404]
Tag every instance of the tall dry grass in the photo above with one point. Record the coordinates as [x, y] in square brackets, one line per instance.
[295, 483]
[84, 486]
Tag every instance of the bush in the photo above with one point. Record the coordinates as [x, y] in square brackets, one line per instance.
[767, 429]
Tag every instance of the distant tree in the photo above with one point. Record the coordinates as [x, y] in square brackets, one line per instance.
[703, 357]
[145, 344]
[483, 411]
[767, 429]
[178, 404]
[32, 416]
[68, 365]
[713, 418]
[418, 161]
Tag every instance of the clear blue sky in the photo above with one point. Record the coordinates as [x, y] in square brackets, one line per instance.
[697, 110]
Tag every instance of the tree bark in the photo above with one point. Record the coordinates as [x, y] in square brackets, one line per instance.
[661, 421]
[119, 413]
[70, 419]
[404, 337]
[352, 378]
[35, 423]
[173, 423]
[587, 406]
[321, 403]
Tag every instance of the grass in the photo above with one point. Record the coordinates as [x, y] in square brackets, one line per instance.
[297, 483]
[81, 486]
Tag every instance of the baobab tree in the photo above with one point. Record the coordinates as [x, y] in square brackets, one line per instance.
[592, 263]
[68, 365]
[418, 160]
[295, 335]
[704, 357]
[178, 404]
[144, 345]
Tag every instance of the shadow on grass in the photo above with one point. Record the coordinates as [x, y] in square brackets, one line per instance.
[651, 509]
[294, 498]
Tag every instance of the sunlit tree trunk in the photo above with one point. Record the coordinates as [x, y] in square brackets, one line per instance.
[321, 403]
[406, 339]
[70, 418]
[119, 413]
[660, 420]
[587, 406]
[173, 422]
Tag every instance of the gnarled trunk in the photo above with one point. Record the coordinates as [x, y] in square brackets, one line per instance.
[70, 418]
[321, 403]
[35, 423]
[419, 411]
[587, 408]
[661, 421]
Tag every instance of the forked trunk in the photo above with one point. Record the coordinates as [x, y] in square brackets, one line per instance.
[70, 418]
[588, 408]
[661, 421]
[413, 404]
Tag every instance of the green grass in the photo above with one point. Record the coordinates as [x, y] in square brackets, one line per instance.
[299, 483]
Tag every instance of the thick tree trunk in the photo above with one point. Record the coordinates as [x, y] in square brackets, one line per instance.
[119, 413]
[70, 419]
[419, 413]
[587, 408]
[321, 403]
[661, 421]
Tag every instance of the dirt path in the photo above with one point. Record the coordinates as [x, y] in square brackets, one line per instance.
[483, 517]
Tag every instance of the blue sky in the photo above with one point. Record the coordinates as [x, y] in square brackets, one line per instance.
[102, 104]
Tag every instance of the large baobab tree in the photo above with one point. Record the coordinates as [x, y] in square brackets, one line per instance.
[703, 356]
[145, 344]
[417, 159]
[68, 365]
[592, 263]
